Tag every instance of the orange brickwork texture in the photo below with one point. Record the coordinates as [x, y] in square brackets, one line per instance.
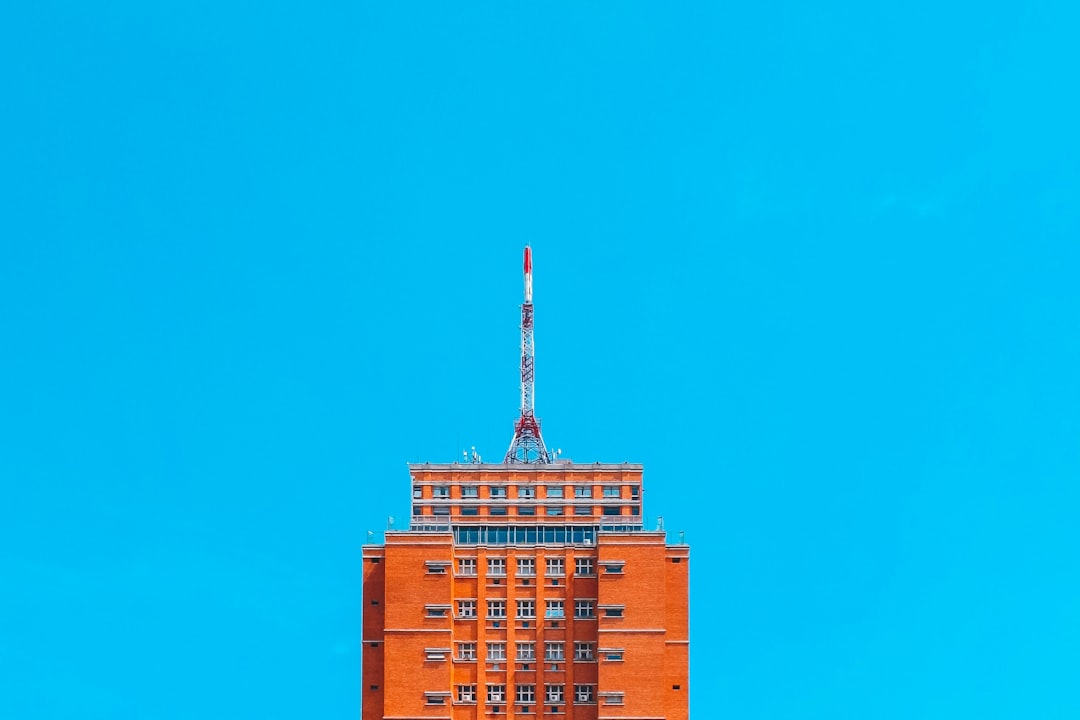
[415, 631]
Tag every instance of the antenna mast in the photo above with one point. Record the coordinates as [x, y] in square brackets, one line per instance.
[527, 447]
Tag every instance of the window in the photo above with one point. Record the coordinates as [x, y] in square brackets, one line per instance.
[584, 694]
[584, 566]
[613, 655]
[554, 609]
[496, 651]
[526, 651]
[613, 612]
[466, 608]
[466, 566]
[466, 510]
[470, 491]
[526, 566]
[583, 651]
[466, 693]
[437, 567]
[526, 608]
[496, 491]
[526, 510]
[553, 652]
[466, 651]
[440, 491]
[634, 490]
[555, 566]
[436, 611]
[496, 608]
[553, 511]
[583, 609]
[613, 510]
[582, 491]
[554, 693]
[501, 510]
[611, 491]
[442, 510]
[417, 491]
[496, 693]
[554, 491]
[437, 654]
[583, 510]
[526, 694]
[613, 568]
[496, 566]
[613, 698]
[526, 492]
[434, 698]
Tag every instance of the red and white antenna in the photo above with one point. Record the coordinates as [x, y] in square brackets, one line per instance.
[527, 446]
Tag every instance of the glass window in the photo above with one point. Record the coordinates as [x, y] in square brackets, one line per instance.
[611, 491]
[553, 652]
[584, 694]
[496, 608]
[497, 491]
[583, 609]
[583, 651]
[554, 510]
[440, 491]
[466, 693]
[526, 694]
[526, 608]
[466, 608]
[496, 693]
[582, 491]
[612, 510]
[500, 510]
[554, 608]
[417, 491]
[526, 566]
[526, 491]
[526, 651]
[442, 509]
[470, 491]
[584, 566]
[526, 510]
[496, 566]
[615, 612]
[583, 510]
[554, 491]
[496, 651]
[553, 693]
[470, 510]
[555, 566]
[466, 651]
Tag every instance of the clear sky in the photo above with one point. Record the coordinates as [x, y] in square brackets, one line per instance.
[814, 264]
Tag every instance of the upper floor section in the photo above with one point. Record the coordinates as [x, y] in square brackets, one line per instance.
[559, 493]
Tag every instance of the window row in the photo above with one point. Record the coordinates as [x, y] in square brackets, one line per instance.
[554, 693]
[530, 510]
[528, 492]
[526, 566]
[525, 609]
[526, 651]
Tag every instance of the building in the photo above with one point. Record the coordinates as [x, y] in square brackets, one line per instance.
[527, 588]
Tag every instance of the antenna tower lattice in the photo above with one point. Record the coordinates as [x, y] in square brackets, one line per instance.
[527, 446]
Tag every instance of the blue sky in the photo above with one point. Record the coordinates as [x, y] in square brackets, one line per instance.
[814, 265]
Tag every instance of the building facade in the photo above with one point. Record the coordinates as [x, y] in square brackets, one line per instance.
[525, 590]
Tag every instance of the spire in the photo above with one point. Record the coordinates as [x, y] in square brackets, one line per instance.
[527, 446]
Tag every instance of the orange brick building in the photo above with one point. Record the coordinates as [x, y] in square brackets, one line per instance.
[529, 591]
[526, 589]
